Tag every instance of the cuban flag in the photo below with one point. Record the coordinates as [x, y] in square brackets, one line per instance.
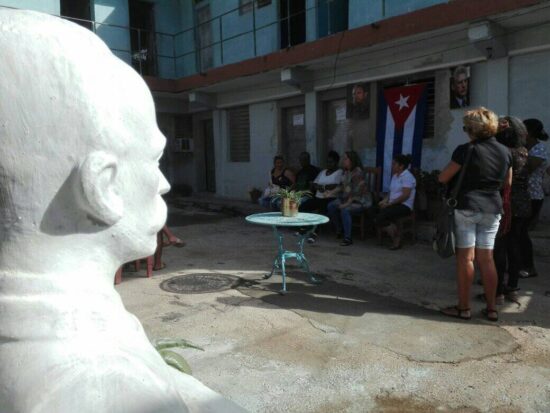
[400, 126]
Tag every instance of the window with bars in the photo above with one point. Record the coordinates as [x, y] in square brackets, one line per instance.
[239, 134]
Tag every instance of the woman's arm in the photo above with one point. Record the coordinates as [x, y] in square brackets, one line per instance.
[509, 177]
[449, 172]
[405, 194]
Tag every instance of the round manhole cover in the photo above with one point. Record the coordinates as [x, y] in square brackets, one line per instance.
[199, 283]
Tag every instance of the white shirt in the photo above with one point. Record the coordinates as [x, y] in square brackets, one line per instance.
[334, 178]
[398, 182]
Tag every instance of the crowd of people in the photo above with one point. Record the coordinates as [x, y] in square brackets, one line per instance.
[499, 201]
[342, 192]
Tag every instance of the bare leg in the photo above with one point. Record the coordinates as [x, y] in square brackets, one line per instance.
[394, 235]
[489, 276]
[158, 264]
[172, 239]
[465, 275]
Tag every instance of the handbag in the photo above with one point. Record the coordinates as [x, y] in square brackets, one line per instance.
[444, 237]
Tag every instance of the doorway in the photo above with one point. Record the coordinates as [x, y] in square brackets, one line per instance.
[77, 11]
[293, 22]
[209, 156]
[336, 127]
[294, 135]
[142, 37]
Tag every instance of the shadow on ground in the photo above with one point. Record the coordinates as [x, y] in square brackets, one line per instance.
[382, 321]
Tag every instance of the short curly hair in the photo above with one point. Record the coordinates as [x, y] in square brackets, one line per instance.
[481, 123]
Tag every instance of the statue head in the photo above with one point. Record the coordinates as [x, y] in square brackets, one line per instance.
[79, 153]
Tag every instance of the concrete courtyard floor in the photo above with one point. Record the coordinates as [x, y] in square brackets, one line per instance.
[369, 339]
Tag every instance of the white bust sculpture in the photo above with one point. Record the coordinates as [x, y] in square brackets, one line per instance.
[80, 193]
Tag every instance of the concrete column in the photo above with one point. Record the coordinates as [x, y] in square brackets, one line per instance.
[311, 20]
[498, 85]
[311, 119]
[219, 123]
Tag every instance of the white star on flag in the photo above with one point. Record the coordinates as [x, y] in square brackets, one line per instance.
[402, 102]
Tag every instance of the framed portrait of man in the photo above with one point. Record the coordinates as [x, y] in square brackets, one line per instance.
[460, 87]
[358, 99]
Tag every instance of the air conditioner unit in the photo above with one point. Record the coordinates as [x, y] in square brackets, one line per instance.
[183, 145]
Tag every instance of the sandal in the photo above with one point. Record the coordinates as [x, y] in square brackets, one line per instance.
[162, 266]
[178, 243]
[456, 312]
[499, 300]
[490, 313]
[527, 274]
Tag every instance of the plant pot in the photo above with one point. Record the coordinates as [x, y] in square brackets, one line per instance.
[289, 208]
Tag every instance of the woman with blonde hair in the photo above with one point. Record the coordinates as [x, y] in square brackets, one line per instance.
[487, 166]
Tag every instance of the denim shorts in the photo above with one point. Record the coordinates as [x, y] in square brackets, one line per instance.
[475, 229]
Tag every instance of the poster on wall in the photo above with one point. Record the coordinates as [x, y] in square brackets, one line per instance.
[357, 101]
[460, 87]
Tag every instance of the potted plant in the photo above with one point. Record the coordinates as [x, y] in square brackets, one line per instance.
[290, 201]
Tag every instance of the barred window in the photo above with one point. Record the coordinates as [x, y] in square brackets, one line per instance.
[239, 134]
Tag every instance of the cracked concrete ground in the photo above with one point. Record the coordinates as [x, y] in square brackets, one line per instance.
[369, 339]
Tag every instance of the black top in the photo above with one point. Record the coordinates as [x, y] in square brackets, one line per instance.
[484, 177]
[305, 177]
[521, 201]
[281, 180]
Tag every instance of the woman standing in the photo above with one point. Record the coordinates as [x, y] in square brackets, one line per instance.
[479, 207]
[354, 198]
[510, 246]
[536, 164]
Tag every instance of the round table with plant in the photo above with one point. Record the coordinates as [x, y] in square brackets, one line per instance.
[290, 218]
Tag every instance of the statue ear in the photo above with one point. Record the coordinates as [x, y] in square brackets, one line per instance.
[98, 187]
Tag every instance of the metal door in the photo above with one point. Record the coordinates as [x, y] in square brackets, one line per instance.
[294, 135]
[209, 157]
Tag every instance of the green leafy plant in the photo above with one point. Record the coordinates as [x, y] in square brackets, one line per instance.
[295, 196]
[173, 359]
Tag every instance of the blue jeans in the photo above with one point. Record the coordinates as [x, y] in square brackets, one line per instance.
[341, 217]
[270, 203]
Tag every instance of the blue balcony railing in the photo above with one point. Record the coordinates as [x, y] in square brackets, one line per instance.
[253, 29]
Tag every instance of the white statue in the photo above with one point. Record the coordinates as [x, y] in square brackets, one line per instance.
[80, 193]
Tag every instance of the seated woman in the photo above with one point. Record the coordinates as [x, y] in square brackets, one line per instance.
[326, 185]
[400, 200]
[354, 198]
[280, 177]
